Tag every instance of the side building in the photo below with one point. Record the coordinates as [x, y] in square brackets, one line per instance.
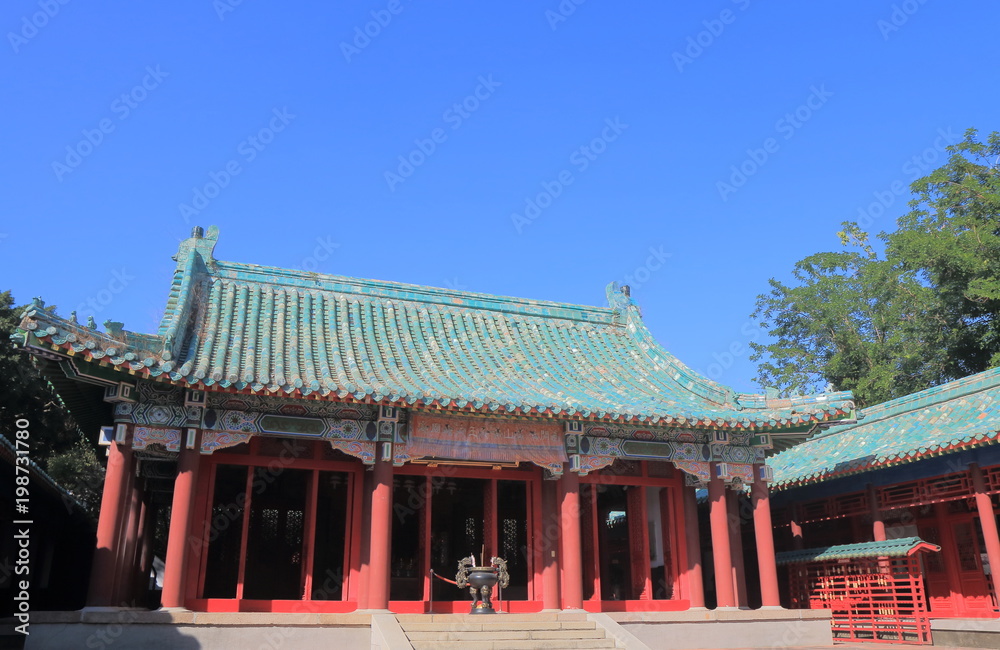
[923, 466]
[323, 443]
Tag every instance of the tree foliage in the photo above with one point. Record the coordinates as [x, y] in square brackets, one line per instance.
[56, 443]
[922, 313]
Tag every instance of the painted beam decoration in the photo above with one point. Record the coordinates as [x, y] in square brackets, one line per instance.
[691, 451]
[227, 419]
[484, 440]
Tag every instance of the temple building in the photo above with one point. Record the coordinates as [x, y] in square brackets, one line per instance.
[926, 467]
[323, 443]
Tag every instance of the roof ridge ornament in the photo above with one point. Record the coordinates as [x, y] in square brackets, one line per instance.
[620, 299]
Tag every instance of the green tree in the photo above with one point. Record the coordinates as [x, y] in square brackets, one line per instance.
[951, 239]
[923, 313]
[56, 443]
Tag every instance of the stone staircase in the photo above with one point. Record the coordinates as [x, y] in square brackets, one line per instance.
[551, 631]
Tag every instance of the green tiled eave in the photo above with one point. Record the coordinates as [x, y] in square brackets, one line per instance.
[956, 415]
[890, 548]
[262, 329]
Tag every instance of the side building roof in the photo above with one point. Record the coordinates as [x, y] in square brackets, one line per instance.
[245, 327]
[951, 417]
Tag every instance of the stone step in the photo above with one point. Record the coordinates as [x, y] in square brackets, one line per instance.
[530, 644]
[479, 626]
[555, 635]
[539, 616]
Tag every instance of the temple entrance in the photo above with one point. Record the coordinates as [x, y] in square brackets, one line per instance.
[631, 542]
[439, 519]
[456, 530]
[274, 542]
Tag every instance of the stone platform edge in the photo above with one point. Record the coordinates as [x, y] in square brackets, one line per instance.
[966, 632]
[713, 616]
[217, 619]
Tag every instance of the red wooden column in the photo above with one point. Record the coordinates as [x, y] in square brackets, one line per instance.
[549, 537]
[359, 587]
[127, 521]
[309, 534]
[180, 525]
[736, 547]
[102, 577]
[490, 533]
[878, 526]
[381, 538]
[571, 557]
[674, 542]
[425, 536]
[988, 521]
[721, 549]
[769, 595]
[796, 527]
[696, 587]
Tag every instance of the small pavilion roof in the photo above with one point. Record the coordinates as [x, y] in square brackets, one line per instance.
[245, 327]
[953, 416]
[902, 547]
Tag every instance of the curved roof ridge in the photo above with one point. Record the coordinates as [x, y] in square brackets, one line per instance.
[392, 290]
[625, 308]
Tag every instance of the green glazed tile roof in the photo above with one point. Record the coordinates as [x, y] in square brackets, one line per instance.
[938, 420]
[253, 328]
[889, 548]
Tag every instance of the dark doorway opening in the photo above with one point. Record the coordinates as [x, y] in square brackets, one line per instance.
[222, 567]
[331, 536]
[409, 501]
[613, 542]
[456, 530]
[512, 536]
[274, 543]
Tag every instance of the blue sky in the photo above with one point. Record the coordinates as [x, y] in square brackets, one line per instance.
[540, 149]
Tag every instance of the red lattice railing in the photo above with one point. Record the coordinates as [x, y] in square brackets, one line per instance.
[872, 600]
